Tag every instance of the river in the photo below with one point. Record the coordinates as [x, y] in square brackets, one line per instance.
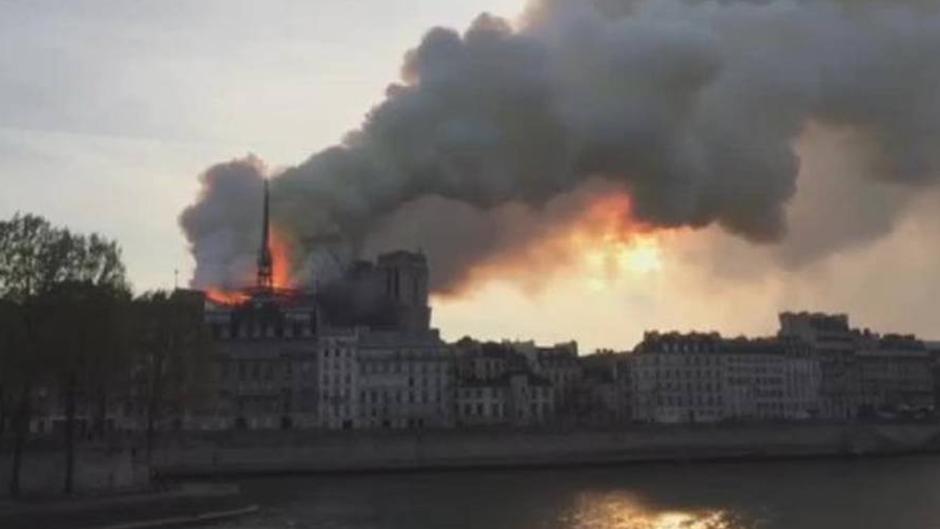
[886, 493]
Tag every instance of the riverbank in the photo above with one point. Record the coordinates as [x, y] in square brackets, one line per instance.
[100, 470]
[166, 503]
[185, 505]
[247, 453]
[834, 493]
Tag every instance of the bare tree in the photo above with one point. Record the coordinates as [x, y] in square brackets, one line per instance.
[84, 340]
[50, 279]
[12, 342]
[29, 263]
[86, 299]
[173, 345]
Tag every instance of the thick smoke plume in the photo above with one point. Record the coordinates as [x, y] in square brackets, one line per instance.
[691, 108]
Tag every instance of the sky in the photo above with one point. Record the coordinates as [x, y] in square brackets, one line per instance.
[110, 110]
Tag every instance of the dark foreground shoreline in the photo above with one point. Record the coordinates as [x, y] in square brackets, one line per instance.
[196, 503]
[173, 500]
[185, 505]
[356, 452]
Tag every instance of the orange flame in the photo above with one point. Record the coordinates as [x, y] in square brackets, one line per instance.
[226, 297]
[602, 242]
[282, 277]
[281, 257]
[614, 245]
[609, 219]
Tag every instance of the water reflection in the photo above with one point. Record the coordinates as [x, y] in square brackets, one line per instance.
[901, 493]
[628, 511]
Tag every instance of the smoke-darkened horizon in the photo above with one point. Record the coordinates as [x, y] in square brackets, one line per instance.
[506, 142]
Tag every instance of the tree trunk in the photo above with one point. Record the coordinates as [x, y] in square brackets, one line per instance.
[150, 419]
[153, 407]
[70, 391]
[101, 414]
[22, 428]
[3, 411]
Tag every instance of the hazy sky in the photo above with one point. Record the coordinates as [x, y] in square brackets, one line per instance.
[110, 109]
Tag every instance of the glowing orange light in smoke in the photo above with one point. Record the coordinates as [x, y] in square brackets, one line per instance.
[280, 246]
[281, 257]
[601, 243]
[226, 297]
[613, 244]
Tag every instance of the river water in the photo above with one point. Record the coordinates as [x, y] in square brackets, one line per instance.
[901, 493]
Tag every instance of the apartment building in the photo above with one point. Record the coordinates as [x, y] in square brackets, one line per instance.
[702, 377]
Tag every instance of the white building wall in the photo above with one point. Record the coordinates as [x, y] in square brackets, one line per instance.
[338, 372]
[677, 387]
[406, 385]
[375, 379]
[680, 386]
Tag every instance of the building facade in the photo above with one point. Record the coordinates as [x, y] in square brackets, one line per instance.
[406, 380]
[497, 385]
[834, 342]
[700, 377]
[561, 367]
[895, 376]
[606, 394]
[863, 372]
[264, 365]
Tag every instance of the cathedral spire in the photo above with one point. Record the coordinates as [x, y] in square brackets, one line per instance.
[265, 264]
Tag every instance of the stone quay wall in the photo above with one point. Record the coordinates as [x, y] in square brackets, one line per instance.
[98, 471]
[298, 452]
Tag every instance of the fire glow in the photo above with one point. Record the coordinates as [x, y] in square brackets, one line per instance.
[601, 246]
[282, 278]
[614, 245]
[226, 297]
[281, 259]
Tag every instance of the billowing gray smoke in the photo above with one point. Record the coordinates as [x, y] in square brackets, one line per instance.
[691, 107]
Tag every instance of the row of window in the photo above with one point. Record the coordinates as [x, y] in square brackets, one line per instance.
[688, 387]
[708, 360]
[656, 359]
[695, 400]
[434, 367]
[255, 371]
[481, 392]
[496, 411]
[336, 352]
[678, 373]
[293, 330]
[384, 396]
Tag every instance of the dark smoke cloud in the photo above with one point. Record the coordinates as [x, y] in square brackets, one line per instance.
[223, 226]
[693, 108]
[509, 239]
